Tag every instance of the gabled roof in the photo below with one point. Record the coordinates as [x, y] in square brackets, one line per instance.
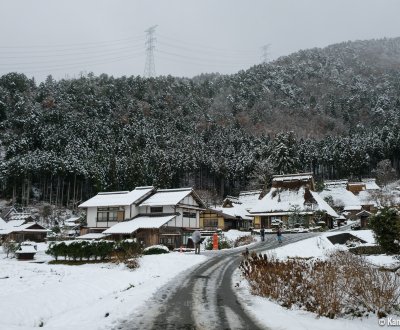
[249, 198]
[236, 211]
[119, 198]
[27, 227]
[165, 197]
[370, 184]
[341, 197]
[282, 201]
[141, 222]
[293, 181]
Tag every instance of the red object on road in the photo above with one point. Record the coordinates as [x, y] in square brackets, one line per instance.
[215, 241]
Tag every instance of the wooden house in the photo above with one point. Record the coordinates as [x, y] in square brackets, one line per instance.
[233, 214]
[292, 201]
[343, 200]
[168, 216]
[19, 231]
[106, 209]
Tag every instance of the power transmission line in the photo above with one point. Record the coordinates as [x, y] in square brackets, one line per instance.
[150, 68]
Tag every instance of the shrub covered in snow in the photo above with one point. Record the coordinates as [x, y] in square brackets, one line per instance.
[9, 246]
[155, 249]
[79, 250]
[343, 284]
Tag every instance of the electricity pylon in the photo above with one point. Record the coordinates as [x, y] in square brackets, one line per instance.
[150, 68]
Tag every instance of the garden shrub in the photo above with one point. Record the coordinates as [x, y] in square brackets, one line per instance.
[223, 243]
[155, 249]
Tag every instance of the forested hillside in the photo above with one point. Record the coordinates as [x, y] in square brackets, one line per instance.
[334, 111]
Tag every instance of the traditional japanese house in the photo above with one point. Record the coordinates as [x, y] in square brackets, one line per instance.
[168, 216]
[292, 201]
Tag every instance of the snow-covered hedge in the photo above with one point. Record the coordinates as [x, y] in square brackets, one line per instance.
[156, 249]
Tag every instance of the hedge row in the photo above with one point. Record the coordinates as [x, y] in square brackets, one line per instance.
[79, 250]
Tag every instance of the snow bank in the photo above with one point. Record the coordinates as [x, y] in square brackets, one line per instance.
[92, 296]
[234, 234]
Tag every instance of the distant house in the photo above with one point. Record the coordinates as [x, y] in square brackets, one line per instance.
[108, 208]
[164, 216]
[233, 214]
[21, 230]
[292, 198]
[71, 227]
[342, 199]
[352, 197]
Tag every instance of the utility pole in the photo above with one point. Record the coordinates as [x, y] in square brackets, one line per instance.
[149, 68]
[265, 53]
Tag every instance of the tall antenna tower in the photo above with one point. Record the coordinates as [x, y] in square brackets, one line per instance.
[265, 53]
[150, 68]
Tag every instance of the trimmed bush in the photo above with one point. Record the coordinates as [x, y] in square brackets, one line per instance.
[365, 250]
[155, 249]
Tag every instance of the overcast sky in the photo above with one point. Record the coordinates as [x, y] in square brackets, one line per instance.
[64, 38]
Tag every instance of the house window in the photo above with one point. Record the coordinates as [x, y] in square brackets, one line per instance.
[210, 223]
[156, 209]
[106, 214]
[189, 215]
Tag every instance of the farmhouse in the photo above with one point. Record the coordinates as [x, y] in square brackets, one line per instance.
[165, 216]
[233, 214]
[292, 201]
[342, 199]
[108, 208]
[21, 230]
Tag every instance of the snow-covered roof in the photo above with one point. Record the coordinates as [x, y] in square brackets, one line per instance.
[335, 183]
[237, 210]
[3, 224]
[165, 197]
[341, 197]
[141, 222]
[370, 184]
[292, 177]
[92, 236]
[19, 216]
[249, 198]
[12, 223]
[118, 198]
[283, 200]
[366, 198]
[26, 248]
[324, 206]
[72, 219]
[22, 228]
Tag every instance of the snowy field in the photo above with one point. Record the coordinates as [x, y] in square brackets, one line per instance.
[274, 316]
[95, 296]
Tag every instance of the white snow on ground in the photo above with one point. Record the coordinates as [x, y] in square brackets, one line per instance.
[272, 315]
[318, 246]
[79, 297]
[234, 234]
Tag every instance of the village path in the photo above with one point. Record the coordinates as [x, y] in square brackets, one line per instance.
[203, 297]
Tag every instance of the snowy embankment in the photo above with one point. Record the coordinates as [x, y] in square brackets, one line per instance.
[93, 296]
[272, 315]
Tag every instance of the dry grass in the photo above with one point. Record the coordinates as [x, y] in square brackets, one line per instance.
[343, 284]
